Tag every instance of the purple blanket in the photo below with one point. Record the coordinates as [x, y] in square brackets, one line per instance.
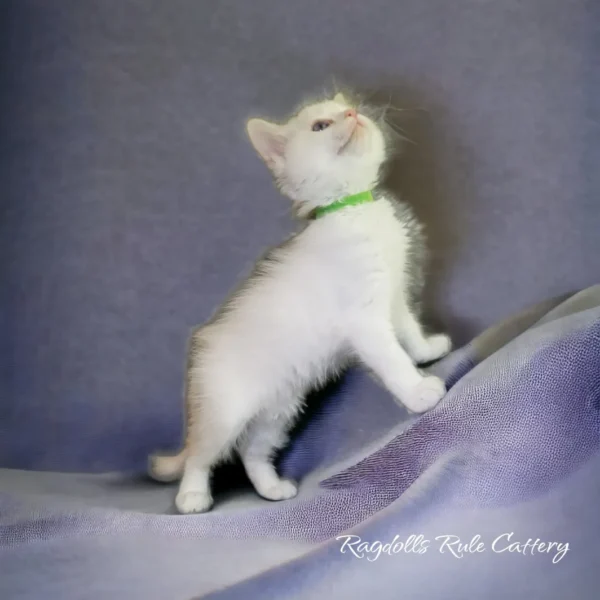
[493, 494]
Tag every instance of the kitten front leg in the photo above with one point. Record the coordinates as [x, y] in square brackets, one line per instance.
[422, 348]
[376, 345]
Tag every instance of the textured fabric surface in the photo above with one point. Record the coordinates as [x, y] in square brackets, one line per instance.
[514, 447]
[130, 204]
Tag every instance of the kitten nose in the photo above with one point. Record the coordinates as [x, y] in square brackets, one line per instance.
[350, 113]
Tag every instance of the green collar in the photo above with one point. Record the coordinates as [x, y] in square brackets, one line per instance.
[352, 200]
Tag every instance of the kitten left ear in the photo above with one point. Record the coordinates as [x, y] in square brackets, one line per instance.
[269, 141]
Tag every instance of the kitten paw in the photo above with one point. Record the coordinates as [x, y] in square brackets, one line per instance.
[426, 394]
[282, 490]
[193, 502]
[438, 345]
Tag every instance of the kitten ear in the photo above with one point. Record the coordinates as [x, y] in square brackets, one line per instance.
[340, 99]
[269, 141]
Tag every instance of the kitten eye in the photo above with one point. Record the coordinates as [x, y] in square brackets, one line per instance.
[320, 125]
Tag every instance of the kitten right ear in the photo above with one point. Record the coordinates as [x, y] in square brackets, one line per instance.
[269, 141]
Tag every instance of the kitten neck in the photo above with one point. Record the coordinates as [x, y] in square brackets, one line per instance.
[351, 200]
[307, 205]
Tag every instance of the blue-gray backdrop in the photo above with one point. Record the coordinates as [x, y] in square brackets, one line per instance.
[131, 200]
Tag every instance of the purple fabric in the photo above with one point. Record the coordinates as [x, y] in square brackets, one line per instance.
[492, 414]
[512, 448]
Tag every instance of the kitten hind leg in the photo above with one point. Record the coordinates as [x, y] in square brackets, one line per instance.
[210, 440]
[266, 434]
[194, 490]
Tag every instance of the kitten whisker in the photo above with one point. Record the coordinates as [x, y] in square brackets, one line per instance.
[414, 109]
[396, 130]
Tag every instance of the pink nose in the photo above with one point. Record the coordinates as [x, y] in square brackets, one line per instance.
[350, 113]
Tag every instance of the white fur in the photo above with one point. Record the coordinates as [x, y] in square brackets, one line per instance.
[336, 292]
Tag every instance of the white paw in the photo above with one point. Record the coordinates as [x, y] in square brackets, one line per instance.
[282, 490]
[193, 502]
[425, 395]
[438, 346]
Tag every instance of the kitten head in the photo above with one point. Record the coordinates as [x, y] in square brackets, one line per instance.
[326, 151]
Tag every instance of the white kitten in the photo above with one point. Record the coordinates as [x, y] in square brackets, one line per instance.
[343, 288]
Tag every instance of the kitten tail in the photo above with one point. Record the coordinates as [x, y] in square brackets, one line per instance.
[167, 468]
